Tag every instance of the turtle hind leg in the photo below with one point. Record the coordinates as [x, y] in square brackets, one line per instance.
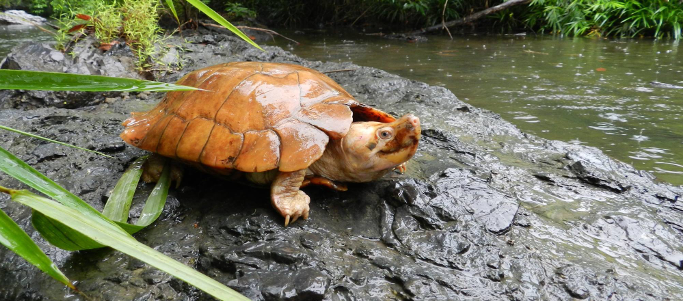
[315, 180]
[154, 165]
[286, 197]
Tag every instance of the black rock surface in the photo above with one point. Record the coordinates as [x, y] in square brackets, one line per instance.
[485, 212]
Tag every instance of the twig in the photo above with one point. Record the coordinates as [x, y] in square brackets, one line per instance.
[361, 15]
[443, 19]
[471, 17]
[535, 52]
[339, 70]
[268, 31]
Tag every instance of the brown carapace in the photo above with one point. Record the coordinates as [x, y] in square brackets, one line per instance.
[251, 117]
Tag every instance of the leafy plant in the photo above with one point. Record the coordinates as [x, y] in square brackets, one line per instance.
[107, 22]
[237, 11]
[620, 18]
[136, 21]
[38, 7]
[9, 3]
[70, 223]
[141, 28]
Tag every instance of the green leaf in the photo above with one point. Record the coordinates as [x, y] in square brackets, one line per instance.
[15, 239]
[60, 235]
[220, 20]
[118, 204]
[105, 235]
[156, 200]
[53, 141]
[21, 171]
[54, 81]
[172, 8]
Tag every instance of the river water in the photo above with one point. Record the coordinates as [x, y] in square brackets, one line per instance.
[587, 91]
[11, 35]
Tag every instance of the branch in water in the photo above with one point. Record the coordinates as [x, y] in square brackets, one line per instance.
[268, 31]
[471, 17]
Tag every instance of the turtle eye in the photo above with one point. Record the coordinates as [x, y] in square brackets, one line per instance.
[385, 134]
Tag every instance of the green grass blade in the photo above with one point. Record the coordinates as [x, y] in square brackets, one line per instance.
[170, 5]
[118, 204]
[15, 239]
[156, 200]
[222, 21]
[53, 141]
[124, 243]
[36, 80]
[21, 171]
[60, 235]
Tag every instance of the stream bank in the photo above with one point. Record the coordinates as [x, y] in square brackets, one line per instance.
[485, 211]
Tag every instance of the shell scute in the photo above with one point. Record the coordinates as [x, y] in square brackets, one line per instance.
[168, 143]
[151, 140]
[328, 117]
[260, 151]
[194, 139]
[216, 88]
[222, 148]
[302, 144]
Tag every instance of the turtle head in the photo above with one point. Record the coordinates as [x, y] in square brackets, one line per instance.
[374, 146]
[369, 150]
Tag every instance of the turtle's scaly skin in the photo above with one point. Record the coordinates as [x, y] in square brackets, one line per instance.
[257, 117]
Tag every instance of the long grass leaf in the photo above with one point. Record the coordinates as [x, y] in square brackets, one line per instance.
[156, 200]
[53, 141]
[118, 204]
[21, 171]
[54, 81]
[220, 20]
[172, 8]
[124, 243]
[15, 239]
[61, 236]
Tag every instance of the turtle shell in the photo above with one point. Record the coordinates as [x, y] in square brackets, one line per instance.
[249, 116]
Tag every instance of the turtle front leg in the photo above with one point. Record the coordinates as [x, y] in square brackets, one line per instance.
[286, 197]
[154, 165]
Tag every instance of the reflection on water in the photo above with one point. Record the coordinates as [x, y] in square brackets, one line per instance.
[588, 91]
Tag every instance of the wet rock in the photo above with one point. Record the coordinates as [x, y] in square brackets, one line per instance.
[484, 212]
[574, 281]
[20, 17]
[86, 59]
[596, 176]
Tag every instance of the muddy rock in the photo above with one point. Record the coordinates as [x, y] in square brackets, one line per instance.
[485, 211]
[20, 17]
[84, 58]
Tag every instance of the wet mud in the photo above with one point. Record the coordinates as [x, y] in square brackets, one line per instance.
[485, 211]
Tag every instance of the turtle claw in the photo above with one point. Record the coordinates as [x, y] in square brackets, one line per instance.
[292, 207]
[401, 168]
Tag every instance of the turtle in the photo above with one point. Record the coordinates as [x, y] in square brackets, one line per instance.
[282, 124]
